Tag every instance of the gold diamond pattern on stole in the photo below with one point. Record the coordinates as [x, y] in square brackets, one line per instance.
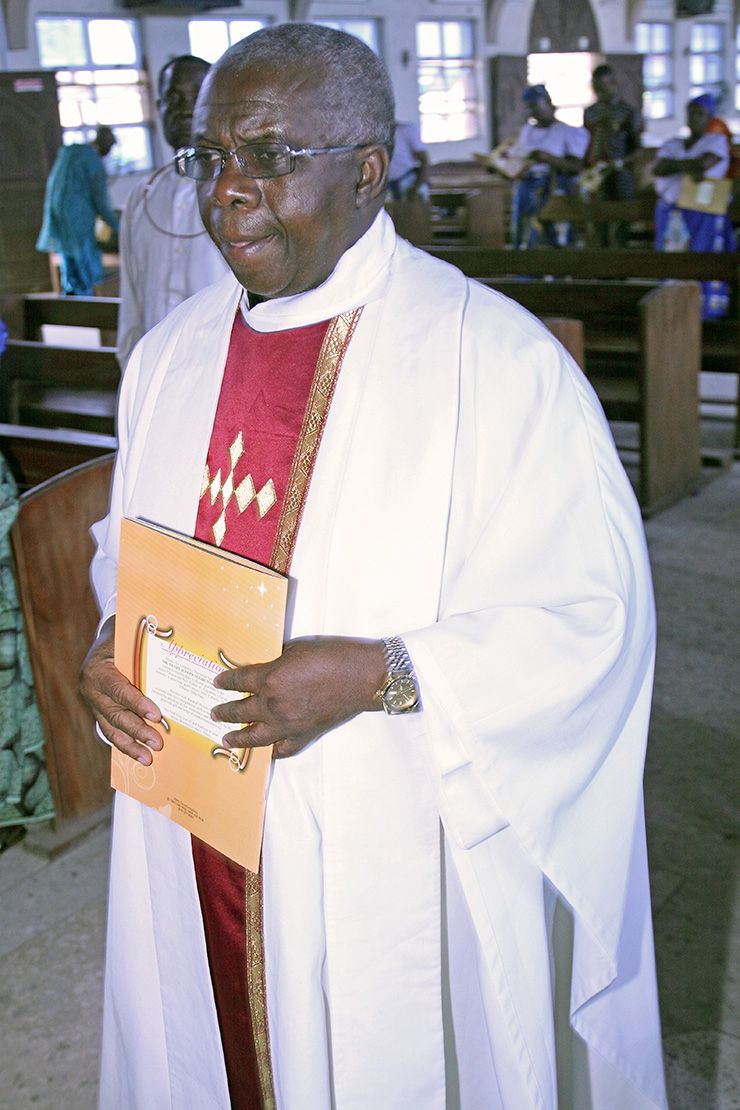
[244, 494]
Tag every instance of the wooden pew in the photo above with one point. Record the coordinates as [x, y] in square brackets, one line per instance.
[86, 312]
[36, 454]
[648, 372]
[52, 551]
[720, 338]
[58, 387]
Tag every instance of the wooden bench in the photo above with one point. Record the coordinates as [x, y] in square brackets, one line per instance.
[80, 312]
[720, 338]
[58, 387]
[647, 372]
[36, 454]
[52, 549]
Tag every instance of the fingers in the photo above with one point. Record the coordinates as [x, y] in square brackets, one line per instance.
[245, 679]
[252, 735]
[120, 709]
[129, 734]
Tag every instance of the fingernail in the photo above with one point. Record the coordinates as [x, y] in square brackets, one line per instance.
[151, 716]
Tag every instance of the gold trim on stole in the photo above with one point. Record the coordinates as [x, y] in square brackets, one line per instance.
[328, 365]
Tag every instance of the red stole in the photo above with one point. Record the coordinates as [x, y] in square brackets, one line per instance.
[275, 395]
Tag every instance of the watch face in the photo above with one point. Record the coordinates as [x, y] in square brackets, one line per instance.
[400, 694]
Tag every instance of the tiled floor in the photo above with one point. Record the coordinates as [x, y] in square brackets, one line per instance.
[52, 911]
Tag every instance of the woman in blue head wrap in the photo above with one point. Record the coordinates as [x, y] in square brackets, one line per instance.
[702, 155]
[552, 153]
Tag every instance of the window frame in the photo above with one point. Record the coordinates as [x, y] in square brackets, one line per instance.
[467, 63]
[65, 74]
[716, 88]
[668, 87]
[226, 21]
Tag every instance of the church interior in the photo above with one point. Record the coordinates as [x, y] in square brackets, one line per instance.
[654, 325]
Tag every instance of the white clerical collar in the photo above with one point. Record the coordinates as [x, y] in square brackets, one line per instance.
[353, 282]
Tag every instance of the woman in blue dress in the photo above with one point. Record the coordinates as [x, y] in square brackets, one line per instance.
[701, 155]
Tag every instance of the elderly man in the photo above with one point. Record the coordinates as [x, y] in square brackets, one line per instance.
[452, 908]
[166, 253]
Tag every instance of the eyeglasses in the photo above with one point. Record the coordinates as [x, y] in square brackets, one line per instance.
[204, 163]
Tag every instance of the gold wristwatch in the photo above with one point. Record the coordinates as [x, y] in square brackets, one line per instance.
[400, 690]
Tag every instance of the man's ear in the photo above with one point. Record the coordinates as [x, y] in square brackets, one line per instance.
[372, 174]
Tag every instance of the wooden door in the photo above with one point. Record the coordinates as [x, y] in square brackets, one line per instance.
[566, 26]
[507, 79]
[628, 72]
[30, 135]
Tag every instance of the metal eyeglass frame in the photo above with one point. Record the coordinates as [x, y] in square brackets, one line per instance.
[184, 154]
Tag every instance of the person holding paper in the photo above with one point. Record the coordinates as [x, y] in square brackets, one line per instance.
[680, 224]
[452, 908]
[553, 154]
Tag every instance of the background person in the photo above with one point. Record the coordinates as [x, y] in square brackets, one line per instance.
[449, 502]
[166, 253]
[554, 153]
[77, 192]
[408, 174]
[702, 154]
[614, 127]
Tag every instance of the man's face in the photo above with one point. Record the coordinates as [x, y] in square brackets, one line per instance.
[279, 235]
[605, 87]
[178, 92]
[542, 111]
[697, 118]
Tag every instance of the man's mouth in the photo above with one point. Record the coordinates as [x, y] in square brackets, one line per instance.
[246, 246]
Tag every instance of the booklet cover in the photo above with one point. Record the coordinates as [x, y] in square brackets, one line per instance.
[711, 194]
[185, 612]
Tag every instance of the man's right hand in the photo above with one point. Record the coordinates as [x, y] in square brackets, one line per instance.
[120, 709]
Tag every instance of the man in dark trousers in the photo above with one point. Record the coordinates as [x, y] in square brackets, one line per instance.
[615, 128]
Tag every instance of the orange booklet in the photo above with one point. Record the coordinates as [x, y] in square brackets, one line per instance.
[185, 612]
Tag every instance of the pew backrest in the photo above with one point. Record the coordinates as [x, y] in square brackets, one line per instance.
[52, 549]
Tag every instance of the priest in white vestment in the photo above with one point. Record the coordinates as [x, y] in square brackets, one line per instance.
[455, 907]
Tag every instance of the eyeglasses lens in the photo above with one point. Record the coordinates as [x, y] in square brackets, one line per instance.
[259, 160]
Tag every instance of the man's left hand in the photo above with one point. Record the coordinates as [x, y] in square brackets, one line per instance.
[315, 685]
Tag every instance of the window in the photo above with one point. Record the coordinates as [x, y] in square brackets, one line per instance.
[705, 59]
[655, 42]
[366, 29]
[209, 38]
[567, 78]
[448, 92]
[99, 81]
[737, 69]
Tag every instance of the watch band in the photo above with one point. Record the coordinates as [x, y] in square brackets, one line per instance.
[396, 656]
[400, 690]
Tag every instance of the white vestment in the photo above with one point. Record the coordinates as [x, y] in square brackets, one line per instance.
[166, 255]
[466, 495]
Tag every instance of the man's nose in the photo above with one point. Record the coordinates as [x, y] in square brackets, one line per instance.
[232, 187]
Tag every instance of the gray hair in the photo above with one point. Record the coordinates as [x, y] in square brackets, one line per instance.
[359, 95]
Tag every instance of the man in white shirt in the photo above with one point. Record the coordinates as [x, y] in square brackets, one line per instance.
[554, 153]
[407, 174]
[166, 253]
